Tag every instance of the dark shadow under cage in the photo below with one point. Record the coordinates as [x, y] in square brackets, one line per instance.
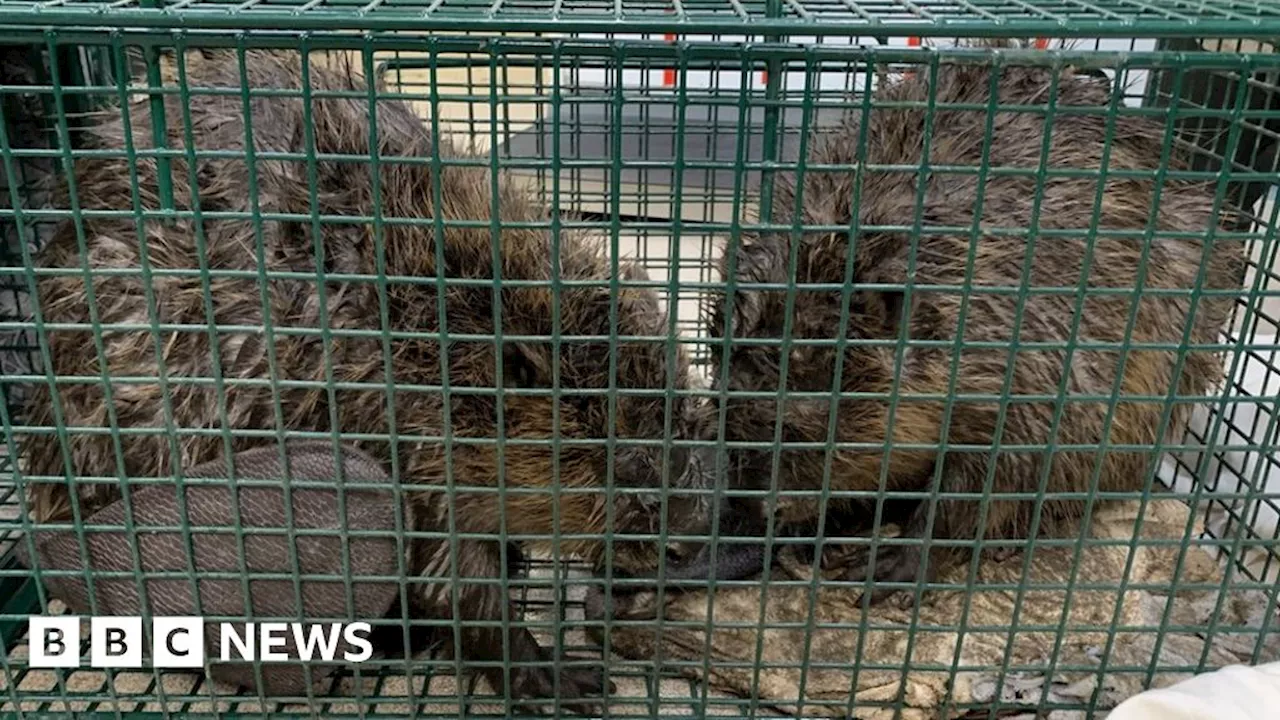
[659, 151]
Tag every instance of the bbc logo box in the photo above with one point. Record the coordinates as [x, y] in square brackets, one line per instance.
[179, 641]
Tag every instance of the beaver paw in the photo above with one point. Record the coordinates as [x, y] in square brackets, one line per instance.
[537, 686]
[894, 564]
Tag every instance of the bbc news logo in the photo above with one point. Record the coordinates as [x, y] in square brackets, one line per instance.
[179, 642]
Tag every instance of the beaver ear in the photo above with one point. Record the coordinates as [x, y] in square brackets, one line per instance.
[525, 365]
[887, 311]
[760, 259]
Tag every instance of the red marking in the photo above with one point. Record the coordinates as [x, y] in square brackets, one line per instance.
[912, 42]
[764, 76]
[1042, 43]
[669, 75]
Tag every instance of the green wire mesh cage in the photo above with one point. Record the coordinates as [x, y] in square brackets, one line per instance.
[567, 316]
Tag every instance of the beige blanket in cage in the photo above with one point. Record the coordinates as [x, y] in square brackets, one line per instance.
[925, 693]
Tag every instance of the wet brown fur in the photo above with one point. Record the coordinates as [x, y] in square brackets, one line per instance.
[342, 126]
[897, 137]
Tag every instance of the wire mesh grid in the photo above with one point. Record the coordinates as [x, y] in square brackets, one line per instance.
[666, 172]
[1107, 18]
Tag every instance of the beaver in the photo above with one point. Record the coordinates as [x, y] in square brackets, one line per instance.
[207, 330]
[973, 335]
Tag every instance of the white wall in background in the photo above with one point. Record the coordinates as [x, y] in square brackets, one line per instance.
[1256, 385]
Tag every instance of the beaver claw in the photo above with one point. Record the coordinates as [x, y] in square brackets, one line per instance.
[894, 564]
[536, 689]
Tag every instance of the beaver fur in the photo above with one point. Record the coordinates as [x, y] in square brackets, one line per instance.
[193, 372]
[991, 318]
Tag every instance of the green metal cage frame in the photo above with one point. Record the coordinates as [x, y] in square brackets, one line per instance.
[72, 32]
